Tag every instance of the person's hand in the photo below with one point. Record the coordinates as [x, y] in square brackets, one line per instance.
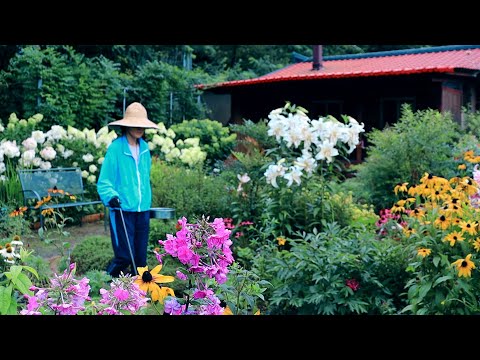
[114, 202]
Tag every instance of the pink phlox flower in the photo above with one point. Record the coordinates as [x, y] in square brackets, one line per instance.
[246, 223]
[200, 294]
[184, 254]
[172, 306]
[121, 294]
[181, 275]
[159, 256]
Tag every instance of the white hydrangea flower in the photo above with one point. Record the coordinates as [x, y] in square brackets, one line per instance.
[192, 141]
[10, 149]
[28, 155]
[100, 161]
[172, 155]
[48, 153]
[85, 174]
[67, 153]
[88, 157]
[56, 133]
[91, 179]
[39, 136]
[92, 168]
[29, 143]
[170, 133]
[36, 162]
[45, 165]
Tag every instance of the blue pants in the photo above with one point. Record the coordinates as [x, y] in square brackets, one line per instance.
[137, 225]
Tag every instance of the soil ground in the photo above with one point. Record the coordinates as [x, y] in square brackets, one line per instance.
[51, 252]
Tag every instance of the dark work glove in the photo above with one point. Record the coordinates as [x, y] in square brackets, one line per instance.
[114, 202]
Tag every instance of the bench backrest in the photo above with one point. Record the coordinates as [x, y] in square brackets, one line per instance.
[36, 182]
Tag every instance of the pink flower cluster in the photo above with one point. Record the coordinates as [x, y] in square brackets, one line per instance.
[236, 229]
[386, 218]
[124, 296]
[66, 296]
[204, 249]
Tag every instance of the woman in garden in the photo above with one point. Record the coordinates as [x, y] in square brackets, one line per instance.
[124, 185]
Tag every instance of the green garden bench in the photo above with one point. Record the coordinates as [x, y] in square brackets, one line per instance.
[36, 183]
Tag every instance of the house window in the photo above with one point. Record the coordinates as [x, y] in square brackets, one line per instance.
[327, 107]
[390, 109]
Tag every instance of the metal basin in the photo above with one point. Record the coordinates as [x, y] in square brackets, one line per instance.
[162, 213]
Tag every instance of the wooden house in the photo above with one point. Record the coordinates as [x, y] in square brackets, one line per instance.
[370, 87]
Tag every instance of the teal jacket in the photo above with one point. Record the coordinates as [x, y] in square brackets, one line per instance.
[120, 176]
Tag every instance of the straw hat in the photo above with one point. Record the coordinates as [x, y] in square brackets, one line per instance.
[135, 116]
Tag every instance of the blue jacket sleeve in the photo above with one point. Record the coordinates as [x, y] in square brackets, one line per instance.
[107, 178]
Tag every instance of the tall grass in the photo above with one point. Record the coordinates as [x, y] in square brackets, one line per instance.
[11, 189]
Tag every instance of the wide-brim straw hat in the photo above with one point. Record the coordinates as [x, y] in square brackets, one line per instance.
[135, 116]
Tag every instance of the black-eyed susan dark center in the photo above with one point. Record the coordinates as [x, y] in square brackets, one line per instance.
[147, 277]
[464, 264]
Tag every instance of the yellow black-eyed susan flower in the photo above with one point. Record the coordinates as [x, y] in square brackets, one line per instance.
[281, 240]
[148, 281]
[417, 213]
[476, 244]
[45, 200]
[47, 212]
[468, 185]
[400, 187]
[424, 252]
[442, 222]
[227, 311]
[18, 211]
[464, 266]
[453, 237]
[469, 154]
[461, 167]
[469, 227]
[409, 231]
[56, 190]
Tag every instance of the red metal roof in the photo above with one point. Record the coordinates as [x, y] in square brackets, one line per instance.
[437, 62]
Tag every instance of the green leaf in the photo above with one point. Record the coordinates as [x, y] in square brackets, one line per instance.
[23, 283]
[424, 290]
[442, 279]
[31, 269]
[436, 261]
[5, 299]
[15, 270]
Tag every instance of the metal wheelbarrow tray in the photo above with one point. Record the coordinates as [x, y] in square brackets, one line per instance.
[162, 213]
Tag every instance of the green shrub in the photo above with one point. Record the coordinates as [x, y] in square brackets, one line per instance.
[93, 253]
[255, 130]
[42, 267]
[419, 142]
[334, 272]
[191, 192]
